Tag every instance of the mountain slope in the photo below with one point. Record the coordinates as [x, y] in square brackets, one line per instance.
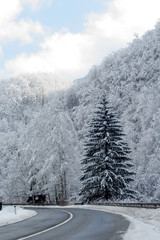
[131, 80]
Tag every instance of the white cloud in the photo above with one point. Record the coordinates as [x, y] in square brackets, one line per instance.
[10, 28]
[64, 54]
[9, 10]
[123, 18]
[21, 30]
[71, 55]
[36, 4]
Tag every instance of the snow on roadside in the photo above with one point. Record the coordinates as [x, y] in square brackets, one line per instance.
[7, 215]
[144, 223]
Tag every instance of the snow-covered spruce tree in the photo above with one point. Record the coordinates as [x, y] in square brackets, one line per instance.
[106, 165]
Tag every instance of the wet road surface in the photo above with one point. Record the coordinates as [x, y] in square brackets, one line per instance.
[67, 224]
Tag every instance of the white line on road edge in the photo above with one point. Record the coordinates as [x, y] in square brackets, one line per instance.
[46, 230]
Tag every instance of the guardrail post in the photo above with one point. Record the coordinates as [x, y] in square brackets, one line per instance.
[15, 210]
[0, 203]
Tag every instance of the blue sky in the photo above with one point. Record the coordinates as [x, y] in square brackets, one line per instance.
[70, 14]
[68, 37]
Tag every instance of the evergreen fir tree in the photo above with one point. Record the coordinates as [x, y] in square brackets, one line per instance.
[106, 165]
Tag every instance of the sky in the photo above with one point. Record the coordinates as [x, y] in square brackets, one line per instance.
[68, 37]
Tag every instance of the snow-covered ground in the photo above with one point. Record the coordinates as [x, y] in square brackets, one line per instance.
[145, 223]
[9, 215]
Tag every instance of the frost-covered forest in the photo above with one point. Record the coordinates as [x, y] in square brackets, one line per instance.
[43, 121]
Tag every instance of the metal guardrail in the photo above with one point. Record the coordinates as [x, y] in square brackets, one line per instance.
[134, 204]
[116, 204]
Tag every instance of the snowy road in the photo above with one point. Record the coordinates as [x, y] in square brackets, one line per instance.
[68, 224]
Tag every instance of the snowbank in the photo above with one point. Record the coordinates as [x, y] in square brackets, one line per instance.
[7, 215]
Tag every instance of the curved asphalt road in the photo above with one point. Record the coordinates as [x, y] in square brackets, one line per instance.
[67, 224]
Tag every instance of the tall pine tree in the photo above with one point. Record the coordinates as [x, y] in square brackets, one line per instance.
[106, 165]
